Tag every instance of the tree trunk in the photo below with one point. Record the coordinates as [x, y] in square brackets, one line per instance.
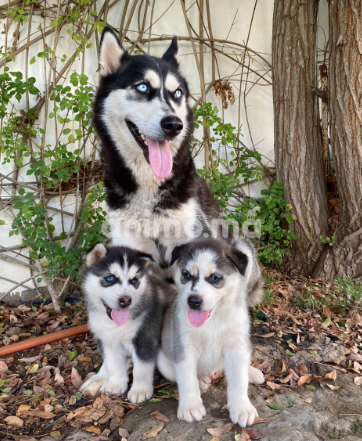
[345, 98]
[298, 142]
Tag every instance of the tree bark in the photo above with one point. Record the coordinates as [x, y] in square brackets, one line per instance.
[298, 142]
[345, 100]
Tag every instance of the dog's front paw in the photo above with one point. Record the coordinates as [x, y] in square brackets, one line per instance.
[205, 383]
[114, 386]
[140, 393]
[192, 411]
[255, 375]
[243, 413]
[101, 384]
[92, 386]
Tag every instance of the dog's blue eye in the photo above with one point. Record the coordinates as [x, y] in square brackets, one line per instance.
[178, 94]
[186, 274]
[134, 280]
[142, 88]
[110, 279]
[214, 278]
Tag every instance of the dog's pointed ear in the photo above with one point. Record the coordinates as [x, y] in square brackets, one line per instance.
[176, 253]
[171, 55]
[111, 52]
[96, 253]
[239, 259]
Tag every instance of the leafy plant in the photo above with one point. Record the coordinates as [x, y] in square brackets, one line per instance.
[263, 219]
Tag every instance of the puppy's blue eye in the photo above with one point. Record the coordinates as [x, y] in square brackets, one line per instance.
[110, 278]
[142, 88]
[214, 278]
[178, 94]
[134, 280]
[186, 274]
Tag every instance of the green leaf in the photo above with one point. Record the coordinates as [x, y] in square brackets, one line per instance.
[21, 191]
[275, 406]
[32, 61]
[2, 222]
[313, 352]
[309, 387]
[72, 355]
[290, 353]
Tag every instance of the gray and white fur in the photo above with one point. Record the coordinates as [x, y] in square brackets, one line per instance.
[206, 327]
[126, 307]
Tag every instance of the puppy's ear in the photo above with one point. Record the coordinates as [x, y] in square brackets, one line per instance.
[176, 253]
[144, 260]
[96, 253]
[171, 55]
[239, 259]
[111, 52]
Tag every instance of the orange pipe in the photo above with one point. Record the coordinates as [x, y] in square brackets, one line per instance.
[43, 339]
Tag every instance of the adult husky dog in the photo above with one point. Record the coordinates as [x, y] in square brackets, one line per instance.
[156, 199]
[207, 328]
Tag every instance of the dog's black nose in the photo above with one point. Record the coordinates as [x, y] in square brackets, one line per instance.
[124, 301]
[194, 302]
[171, 125]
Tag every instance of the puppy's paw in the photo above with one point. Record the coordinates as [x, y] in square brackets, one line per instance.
[92, 386]
[255, 375]
[242, 412]
[140, 393]
[204, 383]
[192, 411]
[114, 386]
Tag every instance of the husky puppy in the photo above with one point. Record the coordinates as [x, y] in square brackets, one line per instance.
[126, 306]
[206, 328]
[143, 117]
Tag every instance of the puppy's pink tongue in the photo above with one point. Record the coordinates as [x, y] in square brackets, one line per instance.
[159, 155]
[120, 316]
[198, 318]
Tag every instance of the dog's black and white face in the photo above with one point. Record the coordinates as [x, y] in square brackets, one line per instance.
[115, 280]
[143, 103]
[208, 270]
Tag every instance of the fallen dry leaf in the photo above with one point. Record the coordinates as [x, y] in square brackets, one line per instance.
[76, 379]
[284, 367]
[331, 376]
[273, 386]
[218, 431]
[152, 433]
[22, 408]
[309, 400]
[14, 421]
[159, 416]
[305, 379]
[93, 429]
[3, 366]
[357, 381]
[253, 434]
[244, 436]
[258, 420]
[39, 414]
[331, 386]
[267, 335]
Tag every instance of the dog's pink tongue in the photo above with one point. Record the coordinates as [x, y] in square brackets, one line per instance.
[159, 155]
[120, 316]
[198, 318]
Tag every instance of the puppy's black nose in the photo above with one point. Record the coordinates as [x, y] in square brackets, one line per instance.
[194, 302]
[171, 125]
[124, 301]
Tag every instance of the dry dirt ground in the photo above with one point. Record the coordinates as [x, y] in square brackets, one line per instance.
[311, 358]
